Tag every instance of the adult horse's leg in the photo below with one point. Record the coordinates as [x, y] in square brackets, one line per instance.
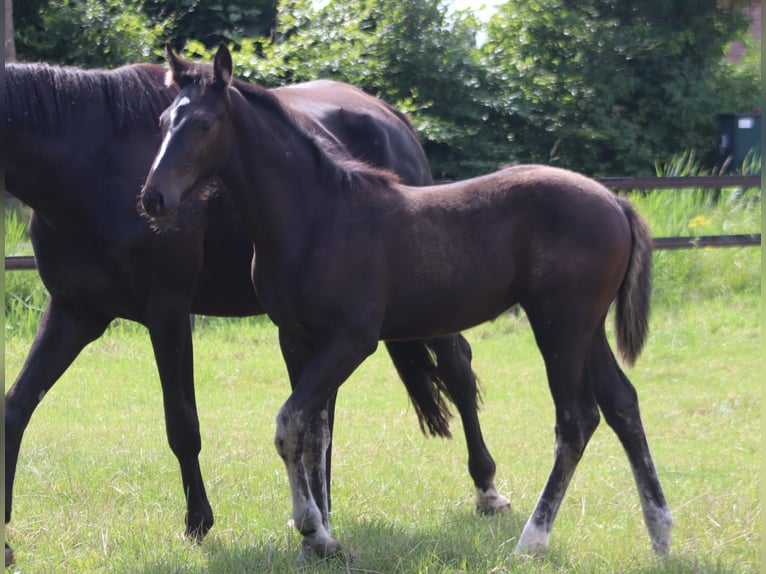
[65, 329]
[619, 402]
[564, 348]
[170, 332]
[453, 364]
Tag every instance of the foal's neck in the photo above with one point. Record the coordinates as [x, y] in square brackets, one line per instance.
[273, 172]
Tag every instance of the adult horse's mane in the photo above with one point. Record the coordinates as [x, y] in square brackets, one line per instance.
[336, 167]
[40, 96]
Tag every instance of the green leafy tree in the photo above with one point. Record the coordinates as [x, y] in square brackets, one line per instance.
[212, 21]
[89, 33]
[601, 86]
[739, 84]
[111, 32]
[428, 66]
[607, 86]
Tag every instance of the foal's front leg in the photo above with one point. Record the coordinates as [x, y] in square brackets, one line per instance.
[302, 433]
[302, 449]
[316, 451]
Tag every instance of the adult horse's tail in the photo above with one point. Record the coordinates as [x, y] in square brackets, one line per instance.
[414, 361]
[632, 313]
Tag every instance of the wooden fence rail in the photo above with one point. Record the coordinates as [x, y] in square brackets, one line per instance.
[20, 263]
[683, 182]
[615, 183]
[707, 241]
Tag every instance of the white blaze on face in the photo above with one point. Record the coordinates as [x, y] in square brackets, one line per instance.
[185, 101]
[164, 147]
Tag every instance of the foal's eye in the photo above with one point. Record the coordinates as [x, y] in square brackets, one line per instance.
[204, 126]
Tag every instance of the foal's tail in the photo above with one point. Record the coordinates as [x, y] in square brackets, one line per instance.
[632, 313]
[414, 362]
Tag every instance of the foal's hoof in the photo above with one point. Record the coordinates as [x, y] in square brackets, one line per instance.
[661, 547]
[9, 558]
[660, 527]
[533, 541]
[326, 549]
[530, 550]
[489, 502]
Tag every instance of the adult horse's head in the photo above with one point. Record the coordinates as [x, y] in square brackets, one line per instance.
[194, 138]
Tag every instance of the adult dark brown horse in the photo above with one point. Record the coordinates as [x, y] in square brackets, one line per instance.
[80, 144]
[375, 260]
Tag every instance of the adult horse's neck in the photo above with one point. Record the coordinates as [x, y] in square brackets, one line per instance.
[69, 131]
[285, 180]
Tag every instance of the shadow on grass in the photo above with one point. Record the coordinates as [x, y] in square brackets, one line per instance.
[461, 543]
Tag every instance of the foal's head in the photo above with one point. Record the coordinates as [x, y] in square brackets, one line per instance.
[196, 138]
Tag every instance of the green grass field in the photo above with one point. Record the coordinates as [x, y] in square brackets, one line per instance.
[98, 490]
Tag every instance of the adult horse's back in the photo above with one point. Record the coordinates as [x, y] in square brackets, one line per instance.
[357, 119]
[80, 143]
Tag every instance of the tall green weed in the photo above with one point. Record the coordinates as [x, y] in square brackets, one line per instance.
[25, 295]
[702, 273]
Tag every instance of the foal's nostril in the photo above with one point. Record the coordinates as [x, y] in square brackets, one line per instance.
[153, 203]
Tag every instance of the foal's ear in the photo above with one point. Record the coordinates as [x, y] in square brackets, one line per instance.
[222, 66]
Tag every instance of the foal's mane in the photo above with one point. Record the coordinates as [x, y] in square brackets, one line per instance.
[336, 167]
[40, 95]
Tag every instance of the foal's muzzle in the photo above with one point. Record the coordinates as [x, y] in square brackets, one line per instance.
[153, 202]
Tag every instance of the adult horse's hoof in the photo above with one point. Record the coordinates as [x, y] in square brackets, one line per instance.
[198, 525]
[197, 535]
[489, 502]
[9, 558]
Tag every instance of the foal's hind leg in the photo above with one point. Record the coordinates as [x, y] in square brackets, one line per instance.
[619, 402]
[453, 363]
[564, 350]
